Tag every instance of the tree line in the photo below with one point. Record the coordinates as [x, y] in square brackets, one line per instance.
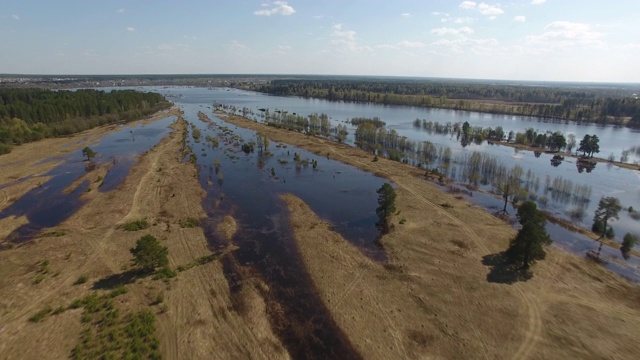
[33, 114]
[604, 105]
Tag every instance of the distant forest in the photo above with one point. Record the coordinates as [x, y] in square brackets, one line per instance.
[606, 104]
[33, 114]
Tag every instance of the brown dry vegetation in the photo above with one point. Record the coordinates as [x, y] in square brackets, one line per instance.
[196, 317]
[439, 296]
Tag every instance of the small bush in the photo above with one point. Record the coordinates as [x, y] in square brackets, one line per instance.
[81, 279]
[40, 315]
[402, 221]
[164, 273]
[159, 298]
[120, 290]
[189, 222]
[38, 279]
[58, 310]
[135, 225]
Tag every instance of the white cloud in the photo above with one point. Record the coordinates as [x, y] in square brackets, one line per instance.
[490, 10]
[465, 44]
[173, 47]
[520, 18]
[405, 15]
[282, 49]
[411, 44]
[131, 29]
[277, 8]
[468, 5]
[451, 31]
[483, 8]
[236, 45]
[462, 20]
[15, 17]
[565, 34]
[345, 40]
[121, 10]
[538, 2]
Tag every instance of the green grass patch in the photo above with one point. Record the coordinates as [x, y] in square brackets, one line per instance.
[135, 225]
[53, 233]
[189, 222]
[81, 279]
[199, 261]
[164, 273]
[107, 334]
[40, 315]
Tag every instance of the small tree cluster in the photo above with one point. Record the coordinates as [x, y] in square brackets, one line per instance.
[589, 145]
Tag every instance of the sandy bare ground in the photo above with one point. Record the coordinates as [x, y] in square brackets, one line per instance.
[197, 319]
[439, 296]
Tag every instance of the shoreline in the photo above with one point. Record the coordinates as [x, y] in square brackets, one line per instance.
[280, 135]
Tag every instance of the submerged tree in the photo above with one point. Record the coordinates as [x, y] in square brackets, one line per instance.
[528, 245]
[386, 206]
[88, 153]
[507, 184]
[607, 211]
[628, 242]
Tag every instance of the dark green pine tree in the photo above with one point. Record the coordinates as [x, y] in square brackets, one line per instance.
[528, 245]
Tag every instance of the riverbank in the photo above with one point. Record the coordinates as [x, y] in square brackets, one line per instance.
[442, 293]
[194, 312]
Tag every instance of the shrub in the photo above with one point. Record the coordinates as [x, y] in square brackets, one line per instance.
[164, 273]
[189, 222]
[159, 298]
[40, 315]
[81, 279]
[135, 225]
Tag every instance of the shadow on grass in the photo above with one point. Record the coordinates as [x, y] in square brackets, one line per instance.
[117, 280]
[502, 272]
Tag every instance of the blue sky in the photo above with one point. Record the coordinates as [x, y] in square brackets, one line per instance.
[554, 40]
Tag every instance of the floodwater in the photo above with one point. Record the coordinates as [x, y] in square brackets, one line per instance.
[569, 240]
[248, 186]
[48, 205]
[604, 180]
